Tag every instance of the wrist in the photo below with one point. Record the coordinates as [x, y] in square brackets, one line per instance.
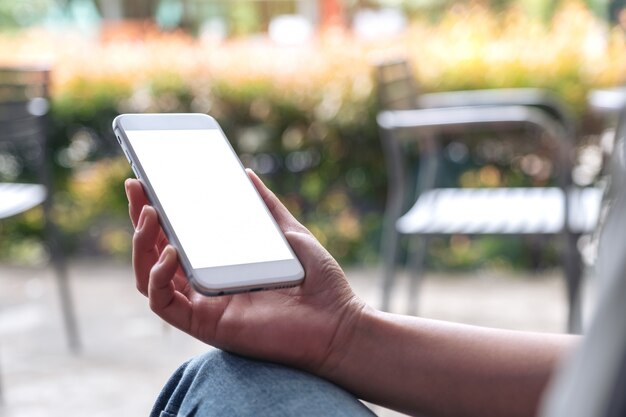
[354, 319]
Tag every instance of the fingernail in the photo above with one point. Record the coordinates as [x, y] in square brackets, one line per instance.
[166, 255]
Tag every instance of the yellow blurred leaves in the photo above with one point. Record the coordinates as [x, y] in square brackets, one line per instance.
[471, 47]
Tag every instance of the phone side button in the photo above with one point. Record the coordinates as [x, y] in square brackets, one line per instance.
[117, 135]
[132, 166]
[127, 156]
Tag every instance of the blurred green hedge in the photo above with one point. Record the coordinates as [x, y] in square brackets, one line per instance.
[329, 173]
[302, 117]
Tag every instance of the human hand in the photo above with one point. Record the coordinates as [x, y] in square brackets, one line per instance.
[306, 326]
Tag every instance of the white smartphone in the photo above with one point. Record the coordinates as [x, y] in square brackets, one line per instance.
[226, 237]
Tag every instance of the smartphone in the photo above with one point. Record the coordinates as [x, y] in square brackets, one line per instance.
[226, 237]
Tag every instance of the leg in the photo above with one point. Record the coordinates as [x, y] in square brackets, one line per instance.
[59, 263]
[390, 254]
[55, 245]
[417, 254]
[573, 266]
[393, 210]
[222, 384]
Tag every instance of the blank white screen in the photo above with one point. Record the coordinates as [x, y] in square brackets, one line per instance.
[213, 208]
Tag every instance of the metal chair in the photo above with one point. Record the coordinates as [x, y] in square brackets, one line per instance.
[539, 211]
[24, 105]
[591, 382]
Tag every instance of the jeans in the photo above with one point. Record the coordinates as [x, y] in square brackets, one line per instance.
[223, 384]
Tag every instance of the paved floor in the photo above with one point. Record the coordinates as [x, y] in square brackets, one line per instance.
[128, 353]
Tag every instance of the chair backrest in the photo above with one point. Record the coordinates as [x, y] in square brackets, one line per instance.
[22, 85]
[592, 381]
[396, 87]
[24, 104]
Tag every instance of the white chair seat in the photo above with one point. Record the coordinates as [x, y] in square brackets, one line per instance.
[501, 211]
[17, 198]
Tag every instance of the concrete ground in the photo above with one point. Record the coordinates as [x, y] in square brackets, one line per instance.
[128, 353]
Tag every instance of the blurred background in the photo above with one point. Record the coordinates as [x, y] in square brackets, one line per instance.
[292, 84]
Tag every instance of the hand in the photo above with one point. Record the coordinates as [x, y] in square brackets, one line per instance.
[306, 326]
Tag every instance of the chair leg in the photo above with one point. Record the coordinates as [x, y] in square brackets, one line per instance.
[67, 306]
[390, 254]
[417, 255]
[573, 267]
[55, 244]
[59, 263]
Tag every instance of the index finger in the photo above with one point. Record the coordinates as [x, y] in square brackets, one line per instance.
[283, 217]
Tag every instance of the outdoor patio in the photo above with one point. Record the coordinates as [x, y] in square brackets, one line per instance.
[128, 353]
[337, 105]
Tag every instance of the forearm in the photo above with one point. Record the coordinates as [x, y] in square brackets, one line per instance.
[438, 368]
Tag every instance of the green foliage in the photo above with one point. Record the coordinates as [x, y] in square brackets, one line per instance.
[330, 174]
[304, 119]
[14, 14]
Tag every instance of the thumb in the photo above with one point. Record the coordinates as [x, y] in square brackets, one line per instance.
[315, 259]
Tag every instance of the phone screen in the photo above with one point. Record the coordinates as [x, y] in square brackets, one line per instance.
[217, 216]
